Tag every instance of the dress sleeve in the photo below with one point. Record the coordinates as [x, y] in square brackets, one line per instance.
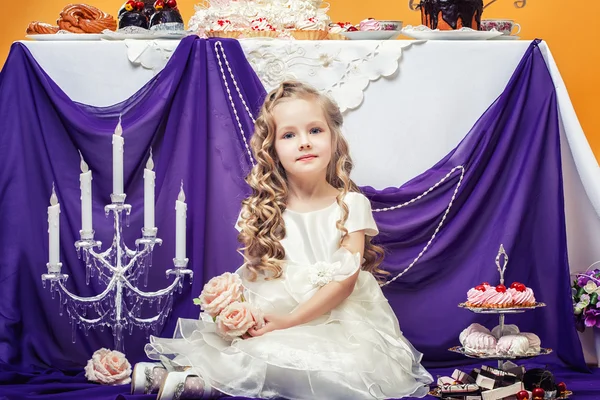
[360, 216]
[237, 226]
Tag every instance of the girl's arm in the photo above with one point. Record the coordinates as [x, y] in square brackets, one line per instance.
[325, 299]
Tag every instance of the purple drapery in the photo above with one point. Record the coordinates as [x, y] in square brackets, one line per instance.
[511, 193]
[184, 115]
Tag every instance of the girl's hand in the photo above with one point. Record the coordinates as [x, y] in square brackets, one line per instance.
[273, 322]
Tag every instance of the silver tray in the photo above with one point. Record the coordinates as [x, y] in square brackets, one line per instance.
[486, 356]
[511, 310]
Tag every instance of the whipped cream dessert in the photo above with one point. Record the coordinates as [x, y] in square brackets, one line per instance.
[260, 15]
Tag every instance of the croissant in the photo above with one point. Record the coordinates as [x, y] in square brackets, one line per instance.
[83, 18]
[37, 27]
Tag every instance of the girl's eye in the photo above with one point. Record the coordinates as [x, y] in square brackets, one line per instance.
[288, 136]
[315, 130]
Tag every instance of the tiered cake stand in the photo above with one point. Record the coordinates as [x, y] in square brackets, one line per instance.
[501, 312]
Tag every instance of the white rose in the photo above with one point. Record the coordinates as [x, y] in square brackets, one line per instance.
[219, 292]
[237, 318]
[109, 367]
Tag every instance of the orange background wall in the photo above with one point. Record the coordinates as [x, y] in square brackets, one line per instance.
[573, 40]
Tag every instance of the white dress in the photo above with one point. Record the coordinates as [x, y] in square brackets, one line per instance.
[356, 351]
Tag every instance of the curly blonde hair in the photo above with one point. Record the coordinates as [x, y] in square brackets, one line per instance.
[262, 225]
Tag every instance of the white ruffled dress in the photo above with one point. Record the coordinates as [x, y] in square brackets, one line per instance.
[356, 351]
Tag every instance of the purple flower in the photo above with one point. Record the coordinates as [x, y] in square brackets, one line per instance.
[592, 317]
[582, 280]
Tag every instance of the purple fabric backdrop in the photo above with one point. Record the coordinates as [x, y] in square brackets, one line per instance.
[511, 194]
[183, 113]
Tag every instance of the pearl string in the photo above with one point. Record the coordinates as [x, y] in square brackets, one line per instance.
[437, 229]
[219, 46]
[219, 49]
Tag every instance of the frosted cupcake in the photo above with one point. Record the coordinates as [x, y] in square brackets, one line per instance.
[223, 28]
[498, 298]
[310, 29]
[369, 24]
[478, 295]
[522, 295]
[261, 27]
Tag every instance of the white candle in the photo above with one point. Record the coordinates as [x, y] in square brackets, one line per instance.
[180, 216]
[85, 181]
[54, 229]
[149, 176]
[117, 145]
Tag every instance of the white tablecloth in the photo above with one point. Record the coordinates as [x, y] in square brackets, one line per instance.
[417, 103]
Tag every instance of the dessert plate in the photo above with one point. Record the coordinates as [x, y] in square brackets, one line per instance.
[371, 35]
[487, 356]
[64, 36]
[506, 37]
[508, 310]
[142, 34]
[424, 33]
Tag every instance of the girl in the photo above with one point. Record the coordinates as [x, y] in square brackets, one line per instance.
[306, 231]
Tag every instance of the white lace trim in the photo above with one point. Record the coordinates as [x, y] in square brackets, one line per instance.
[341, 70]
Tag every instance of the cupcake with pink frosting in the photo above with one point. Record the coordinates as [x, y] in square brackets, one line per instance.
[498, 298]
[369, 24]
[522, 295]
[477, 296]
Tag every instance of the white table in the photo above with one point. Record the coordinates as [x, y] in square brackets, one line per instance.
[453, 81]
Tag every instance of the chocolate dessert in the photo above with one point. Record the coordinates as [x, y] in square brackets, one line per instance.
[166, 16]
[451, 14]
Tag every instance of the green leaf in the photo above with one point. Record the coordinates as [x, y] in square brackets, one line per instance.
[214, 319]
[197, 301]
[593, 298]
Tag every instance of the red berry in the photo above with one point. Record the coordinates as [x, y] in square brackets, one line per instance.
[139, 5]
[523, 395]
[538, 392]
[486, 283]
[481, 288]
[352, 29]
[521, 288]
[501, 288]
[561, 387]
[514, 285]
[171, 3]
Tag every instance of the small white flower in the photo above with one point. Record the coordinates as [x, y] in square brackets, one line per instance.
[321, 273]
[584, 300]
[590, 287]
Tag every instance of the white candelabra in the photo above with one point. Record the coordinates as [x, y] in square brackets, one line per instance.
[121, 303]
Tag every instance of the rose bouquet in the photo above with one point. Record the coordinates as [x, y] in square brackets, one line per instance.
[222, 298]
[585, 292]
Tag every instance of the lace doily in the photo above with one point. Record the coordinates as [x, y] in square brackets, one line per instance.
[150, 54]
[342, 70]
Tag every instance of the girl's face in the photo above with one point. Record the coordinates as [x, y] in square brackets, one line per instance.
[302, 138]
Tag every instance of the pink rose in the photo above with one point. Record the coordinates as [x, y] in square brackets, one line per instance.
[220, 292]
[237, 318]
[108, 367]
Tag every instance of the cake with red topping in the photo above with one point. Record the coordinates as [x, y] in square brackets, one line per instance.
[522, 295]
[487, 296]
